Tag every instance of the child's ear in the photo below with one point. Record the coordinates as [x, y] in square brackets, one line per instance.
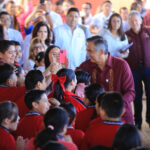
[71, 83]
[6, 121]
[102, 113]
[38, 85]
[9, 82]
[34, 105]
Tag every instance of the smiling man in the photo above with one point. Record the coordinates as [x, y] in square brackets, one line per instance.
[110, 72]
[71, 37]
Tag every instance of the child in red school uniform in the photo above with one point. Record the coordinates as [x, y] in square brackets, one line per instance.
[83, 80]
[85, 117]
[76, 134]
[103, 132]
[8, 122]
[8, 82]
[33, 80]
[64, 83]
[32, 122]
[56, 122]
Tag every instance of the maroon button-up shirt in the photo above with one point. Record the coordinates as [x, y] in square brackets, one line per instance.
[116, 76]
[140, 51]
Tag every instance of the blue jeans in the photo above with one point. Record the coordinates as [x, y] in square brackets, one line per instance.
[142, 74]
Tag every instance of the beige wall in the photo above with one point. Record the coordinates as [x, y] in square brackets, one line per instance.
[121, 3]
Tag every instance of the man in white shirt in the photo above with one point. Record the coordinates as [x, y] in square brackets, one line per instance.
[101, 20]
[124, 15]
[72, 38]
[12, 33]
[56, 18]
[85, 14]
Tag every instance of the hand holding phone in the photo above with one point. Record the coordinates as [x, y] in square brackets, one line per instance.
[63, 56]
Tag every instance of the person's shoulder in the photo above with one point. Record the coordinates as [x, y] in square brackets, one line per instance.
[97, 16]
[54, 14]
[59, 28]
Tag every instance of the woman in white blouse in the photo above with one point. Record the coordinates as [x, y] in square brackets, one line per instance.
[115, 37]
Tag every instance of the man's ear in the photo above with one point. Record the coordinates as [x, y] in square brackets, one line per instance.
[6, 121]
[9, 82]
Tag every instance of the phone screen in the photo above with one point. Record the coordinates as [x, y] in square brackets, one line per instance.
[63, 56]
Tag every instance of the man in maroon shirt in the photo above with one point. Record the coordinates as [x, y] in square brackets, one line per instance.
[139, 61]
[110, 72]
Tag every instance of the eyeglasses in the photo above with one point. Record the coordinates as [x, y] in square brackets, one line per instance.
[38, 47]
[5, 19]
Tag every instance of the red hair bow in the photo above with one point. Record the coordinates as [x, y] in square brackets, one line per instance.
[61, 80]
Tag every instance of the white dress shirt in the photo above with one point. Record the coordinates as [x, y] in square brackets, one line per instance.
[14, 35]
[125, 25]
[74, 43]
[100, 20]
[56, 18]
[114, 44]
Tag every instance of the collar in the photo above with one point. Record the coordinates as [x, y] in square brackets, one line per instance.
[91, 106]
[113, 122]
[70, 127]
[32, 113]
[61, 137]
[68, 27]
[109, 61]
[69, 93]
[2, 85]
[4, 129]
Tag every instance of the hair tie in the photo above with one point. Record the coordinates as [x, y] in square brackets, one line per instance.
[51, 127]
[61, 80]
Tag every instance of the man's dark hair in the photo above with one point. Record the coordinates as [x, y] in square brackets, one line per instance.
[107, 1]
[72, 9]
[90, 5]
[92, 91]
[33, 96]
[122, 8]
[112, 104]
[99, 42]
[6, 71]
[32, 78]
[4, 45]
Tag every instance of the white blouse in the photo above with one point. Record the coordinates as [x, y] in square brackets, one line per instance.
[114, 44]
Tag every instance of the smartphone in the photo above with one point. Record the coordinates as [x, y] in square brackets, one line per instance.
[42, 1]
[63, 56]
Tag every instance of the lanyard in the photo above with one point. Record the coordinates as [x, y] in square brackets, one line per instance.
[32, 113]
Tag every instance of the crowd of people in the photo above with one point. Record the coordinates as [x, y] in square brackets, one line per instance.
[68, 79]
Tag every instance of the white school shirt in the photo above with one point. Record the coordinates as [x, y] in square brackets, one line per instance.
[114, 44]
[74, 43]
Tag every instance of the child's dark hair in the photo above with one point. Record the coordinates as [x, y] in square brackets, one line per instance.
[100, 98]
[16, 43]
[54, 120]
[58, 91]
[46, 60]
[92, 91]
[4, 45]
[40, 56]
[54, 145]
[6, 71]
[70, 110]
[127, 137]
[33, 96]
[83, 77]
[113, 104]
[32, 78]
[7, 110]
